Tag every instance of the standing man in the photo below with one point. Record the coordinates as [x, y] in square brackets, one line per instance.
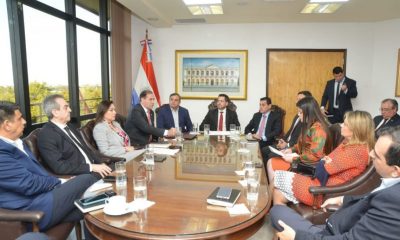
[220, 118]
[60, 144]
[374, 215]
[338, 94]
[140, 122]
[291, 135]
[25, 185]
[265, 125]
[388, 117]
[174, 116]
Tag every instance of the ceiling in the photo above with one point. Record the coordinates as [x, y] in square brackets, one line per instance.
[166, 13]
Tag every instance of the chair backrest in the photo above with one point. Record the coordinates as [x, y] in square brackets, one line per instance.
[31, 142]
[213, 105]
[121, 119]
[87, 135]
[282, 112]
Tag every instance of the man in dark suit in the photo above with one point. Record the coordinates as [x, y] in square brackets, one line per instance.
[25, 185]
[265, 125]
[371, 216]
[388, 117]
[60, 144]
[291, 136]
[173, 115]
[140, 122]
[338, 94]
[220, 118]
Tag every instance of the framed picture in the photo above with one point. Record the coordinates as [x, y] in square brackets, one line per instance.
[398, 76]
[203, 74]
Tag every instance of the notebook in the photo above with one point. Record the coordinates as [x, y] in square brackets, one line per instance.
[214, 200]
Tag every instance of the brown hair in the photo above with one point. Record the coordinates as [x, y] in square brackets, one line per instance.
[102, 108]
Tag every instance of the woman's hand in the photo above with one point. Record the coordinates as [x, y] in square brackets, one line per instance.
[129, 149]
[327, 159]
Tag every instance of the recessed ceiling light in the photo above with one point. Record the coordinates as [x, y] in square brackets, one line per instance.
[202, 2]
[327, 1]
[206, 9]
[321, 8]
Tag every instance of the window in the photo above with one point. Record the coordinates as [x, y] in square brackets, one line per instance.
[58, 4]
[7, 81]
[46, 59]
[88, 11]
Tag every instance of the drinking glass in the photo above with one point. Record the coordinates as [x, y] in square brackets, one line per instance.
[206, 130]
[195, 127]
[149, 155]
[252, 189]
[140, 188]
[120, 178]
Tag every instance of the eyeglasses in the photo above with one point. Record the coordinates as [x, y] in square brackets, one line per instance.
[385, 109]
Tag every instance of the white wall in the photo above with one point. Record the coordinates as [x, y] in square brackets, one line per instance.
[371, 55]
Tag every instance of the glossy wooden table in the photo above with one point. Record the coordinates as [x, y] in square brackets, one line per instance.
[179, 186]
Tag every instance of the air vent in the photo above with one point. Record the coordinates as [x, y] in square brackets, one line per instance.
[190, 20]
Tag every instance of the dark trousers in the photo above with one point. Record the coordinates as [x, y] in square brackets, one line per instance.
[293, 219]
[64, 196]
[337, 116]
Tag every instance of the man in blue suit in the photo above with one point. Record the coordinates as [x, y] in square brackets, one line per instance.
[25, 185]
[338, 94]
[173, 115]
[371, 216]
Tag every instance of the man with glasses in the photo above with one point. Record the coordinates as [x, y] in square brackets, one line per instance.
[388, 117]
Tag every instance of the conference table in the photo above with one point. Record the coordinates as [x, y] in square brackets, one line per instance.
[179, 186]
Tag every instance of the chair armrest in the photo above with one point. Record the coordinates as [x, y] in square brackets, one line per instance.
[317, 190]
[110, 160]
[20, 215]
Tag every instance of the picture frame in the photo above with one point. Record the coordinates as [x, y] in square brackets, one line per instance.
[397, 93]
[203, 74]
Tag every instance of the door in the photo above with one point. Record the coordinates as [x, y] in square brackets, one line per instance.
[292, 70]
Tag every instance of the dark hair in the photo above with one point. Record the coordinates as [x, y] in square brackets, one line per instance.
[225, 96]
[392, 155]
[102, 108]
[337, 70]
[305, 93]
[175, 94]
[267, 99]
[50, 104]
[312, 114]
[7, 111]
[393, 101]
[144, 93]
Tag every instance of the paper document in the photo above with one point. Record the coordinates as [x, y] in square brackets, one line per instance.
[165, 151]
[99, 185]
[280, 153]
[220, 133]
[159, 145]
[238, 209]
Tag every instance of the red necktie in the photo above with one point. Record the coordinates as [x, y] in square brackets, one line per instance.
[262, 125]
[148, 117]
[221, 121]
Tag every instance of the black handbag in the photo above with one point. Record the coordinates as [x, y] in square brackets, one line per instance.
[303, 169]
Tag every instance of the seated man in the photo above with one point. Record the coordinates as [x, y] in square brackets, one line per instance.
[61, 146]
[265, 125]
[25, 185]
[140, 122]
[389, 117]
[174, 116]
[371, 216]
[220, 118]
[291, 136]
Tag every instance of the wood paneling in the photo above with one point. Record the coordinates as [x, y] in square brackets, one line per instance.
[291, 71]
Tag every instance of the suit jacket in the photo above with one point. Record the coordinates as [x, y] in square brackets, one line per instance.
[344, 98]
[24, 184]
[212, 119]
[272, 129]
[108, 141]
[138, 127]
[60, 153]
[394, 121]
[295, 134]
[372, 216]
[166, 120]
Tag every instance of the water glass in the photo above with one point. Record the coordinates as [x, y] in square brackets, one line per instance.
[243, 145]
[206, 129]
[195, 127]
[120, 167]
[149, 155]
[238, 131]
[253, 187]
[120, 170]
[179, 137]
[140, 188]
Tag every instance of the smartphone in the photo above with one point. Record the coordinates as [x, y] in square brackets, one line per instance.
[224, 192]
[98, 198]
[109, 179]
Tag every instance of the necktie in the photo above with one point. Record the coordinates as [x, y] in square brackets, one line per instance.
[337, 93]
[291, 131]
[148, 117]
[221, 121]
[381, 124]
[262, 126]
[78, 144]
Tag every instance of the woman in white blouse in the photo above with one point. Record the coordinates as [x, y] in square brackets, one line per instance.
[111, 139]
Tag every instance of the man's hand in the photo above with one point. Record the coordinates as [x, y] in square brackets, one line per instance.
[281, 144]
[333, 201]
[288, 233]
[101, 169]
[171, 132]
[255, 136]
[129, 149]
[344, 87]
